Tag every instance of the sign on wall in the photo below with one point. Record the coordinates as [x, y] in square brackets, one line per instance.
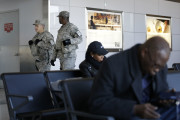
[105, 27]
[8, 27]
[159, 26]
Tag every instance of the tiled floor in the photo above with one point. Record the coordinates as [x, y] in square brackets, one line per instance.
[1, 84]
[3, 106]
[2, 97]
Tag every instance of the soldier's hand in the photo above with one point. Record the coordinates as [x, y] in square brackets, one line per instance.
[37, 41]
[30, 42]
[146, 111]
[52, 62]
[66, 42]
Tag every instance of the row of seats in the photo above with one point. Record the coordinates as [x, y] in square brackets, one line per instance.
[176, 66]
[173, 79]
[30, 96]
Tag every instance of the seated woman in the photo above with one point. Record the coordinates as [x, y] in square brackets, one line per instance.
[94, 58]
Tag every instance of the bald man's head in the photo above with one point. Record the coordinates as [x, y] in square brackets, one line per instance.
[155, 44]
[154, 53]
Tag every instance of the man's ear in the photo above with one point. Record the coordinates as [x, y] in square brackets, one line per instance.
[144, 52]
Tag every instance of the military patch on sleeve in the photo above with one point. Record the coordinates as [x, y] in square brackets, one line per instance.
[78, 33]
[52, 42]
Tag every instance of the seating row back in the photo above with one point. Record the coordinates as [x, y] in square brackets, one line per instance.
[173, 79]
[176, 66]
[28, 95]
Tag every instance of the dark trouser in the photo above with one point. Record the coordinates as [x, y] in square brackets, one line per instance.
[167, 113]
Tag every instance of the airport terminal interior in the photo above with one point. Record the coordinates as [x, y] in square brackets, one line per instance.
[117, 24]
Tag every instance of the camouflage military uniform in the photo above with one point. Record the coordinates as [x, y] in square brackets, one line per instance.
[43, 51]
[67, 54]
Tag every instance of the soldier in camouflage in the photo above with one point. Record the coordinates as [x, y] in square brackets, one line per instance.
[42, 47]
[67, 42]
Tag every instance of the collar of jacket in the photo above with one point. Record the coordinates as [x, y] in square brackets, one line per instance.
[134, 66]
[136, 74]
[67, 24]
[135, 71]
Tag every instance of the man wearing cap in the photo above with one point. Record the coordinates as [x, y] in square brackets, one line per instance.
[67, 42]
[42, 47]
[94, 58]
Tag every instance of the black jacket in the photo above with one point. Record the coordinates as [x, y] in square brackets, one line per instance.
[118, 85]
[87, 69]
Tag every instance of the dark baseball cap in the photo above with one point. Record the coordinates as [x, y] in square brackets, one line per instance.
[96, 47]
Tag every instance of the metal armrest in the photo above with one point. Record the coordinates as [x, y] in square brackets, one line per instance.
[57, 93]
[28, 99]
[93, 116]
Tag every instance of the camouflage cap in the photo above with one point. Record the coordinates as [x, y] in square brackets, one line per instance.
[64, 14]
[37, 22]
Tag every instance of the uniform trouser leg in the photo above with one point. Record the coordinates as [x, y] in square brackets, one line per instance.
[67, 63]
[43, 66]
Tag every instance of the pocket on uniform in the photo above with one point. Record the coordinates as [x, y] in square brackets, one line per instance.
[34, 50]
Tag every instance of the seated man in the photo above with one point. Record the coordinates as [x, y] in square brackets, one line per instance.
[127, 82]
